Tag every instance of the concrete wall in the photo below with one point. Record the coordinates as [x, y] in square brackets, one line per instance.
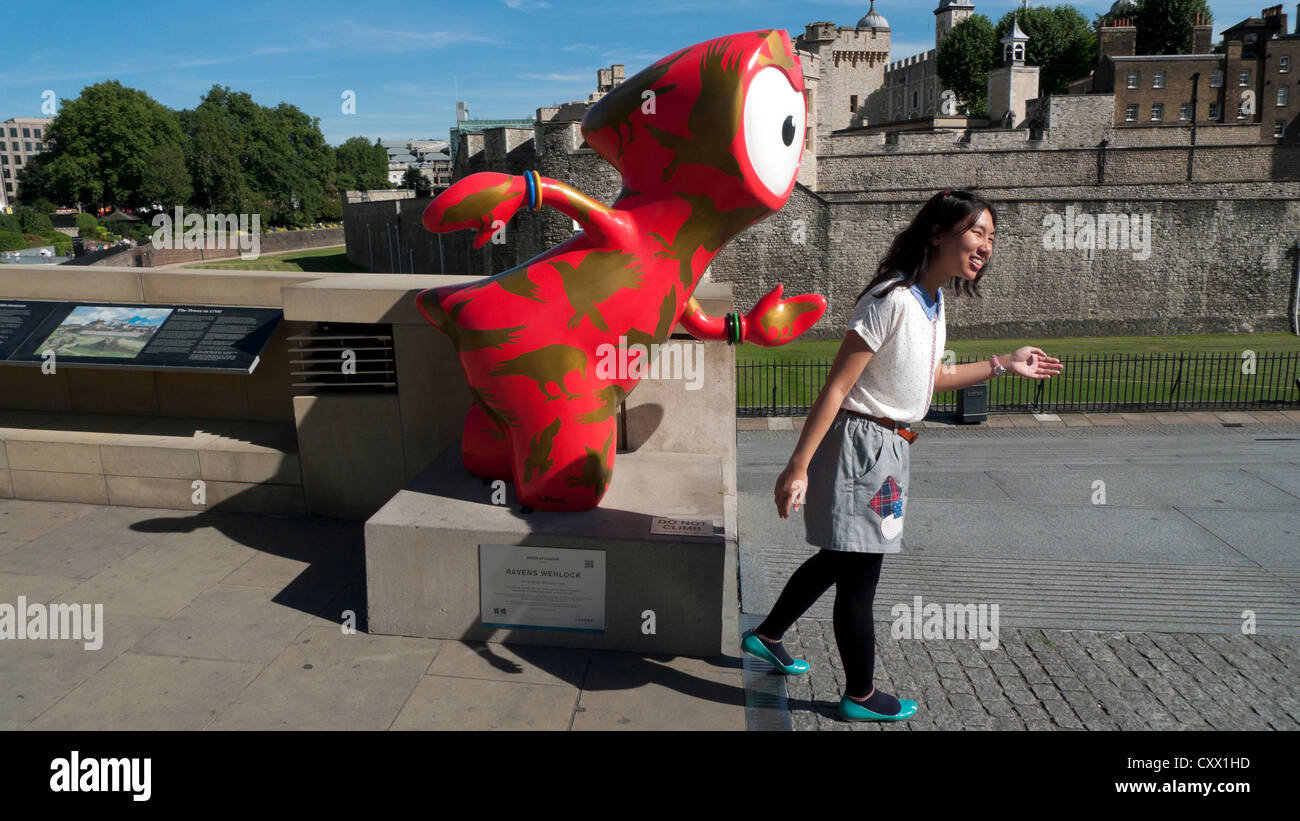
[264, 395]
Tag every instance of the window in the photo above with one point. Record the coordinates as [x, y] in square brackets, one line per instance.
[1157, 112]
[915, 98]
[1216, 80]
[1131, 113]
[1214, 111]
[27, 146]
[1134, 77]
[853, 103]
[36, 133]
[27, 132]
[4, 159]
[929, 95]
[14, 143]
[1284, 65]
[9, 187]
[1278, 128]
[1158, 80]
[1281, 96]
[1243, 79]
[1185, 113]
[40, 146]
[13, 132]
[6, 173]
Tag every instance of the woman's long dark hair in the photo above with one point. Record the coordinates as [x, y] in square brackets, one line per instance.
[909, 255]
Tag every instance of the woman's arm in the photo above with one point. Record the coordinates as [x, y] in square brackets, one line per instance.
[1029, 362]
[852, 357]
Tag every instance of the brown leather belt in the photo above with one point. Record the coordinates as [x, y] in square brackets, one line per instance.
[896, 427]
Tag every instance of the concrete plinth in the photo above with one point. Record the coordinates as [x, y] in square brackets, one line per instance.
[422, 555]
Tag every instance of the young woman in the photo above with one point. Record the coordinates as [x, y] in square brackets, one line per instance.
[850, 468]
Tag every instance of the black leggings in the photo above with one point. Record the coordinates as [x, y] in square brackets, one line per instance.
[854, 576]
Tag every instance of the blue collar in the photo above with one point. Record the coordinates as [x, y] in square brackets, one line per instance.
[929, 304]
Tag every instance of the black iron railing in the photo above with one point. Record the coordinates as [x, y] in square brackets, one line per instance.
[1087, 382]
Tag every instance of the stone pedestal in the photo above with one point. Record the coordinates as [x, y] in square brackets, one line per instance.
[422, 556]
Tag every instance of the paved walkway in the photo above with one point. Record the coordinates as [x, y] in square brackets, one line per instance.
[1119, 613]
[223, 621]
[1123, 615]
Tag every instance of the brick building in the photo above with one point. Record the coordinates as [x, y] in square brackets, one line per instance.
[21, 138]
[1251, 82]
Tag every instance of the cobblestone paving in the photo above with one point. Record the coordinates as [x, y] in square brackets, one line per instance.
[1060, 679]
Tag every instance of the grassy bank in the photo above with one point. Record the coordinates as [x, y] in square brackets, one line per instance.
[331, 260]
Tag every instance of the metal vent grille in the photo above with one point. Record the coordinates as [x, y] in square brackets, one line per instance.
[320, 359]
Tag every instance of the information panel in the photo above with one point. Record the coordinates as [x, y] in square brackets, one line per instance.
[138, 337]
[542, 588]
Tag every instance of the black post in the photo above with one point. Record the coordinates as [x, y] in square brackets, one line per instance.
[1191, 152]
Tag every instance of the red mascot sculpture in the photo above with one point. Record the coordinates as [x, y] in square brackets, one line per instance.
[708, 142]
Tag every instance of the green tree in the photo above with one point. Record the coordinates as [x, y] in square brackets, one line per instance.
[964, 61]
[1061, 43]
[33, 221]
[360, 165]
[34, 181]
[285, 167]
[212, 154]
[417, 182]
[114, 146]
[1163, 26]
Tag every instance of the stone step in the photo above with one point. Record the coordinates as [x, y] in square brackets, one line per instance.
[145, 461]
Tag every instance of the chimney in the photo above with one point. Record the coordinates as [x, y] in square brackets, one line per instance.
[1274, 20]
[1202, 34]
[1118, 39]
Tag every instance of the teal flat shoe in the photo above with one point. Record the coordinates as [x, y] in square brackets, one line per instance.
[753, 645]
[851, 710]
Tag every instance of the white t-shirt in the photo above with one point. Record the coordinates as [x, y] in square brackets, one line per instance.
[898, 382]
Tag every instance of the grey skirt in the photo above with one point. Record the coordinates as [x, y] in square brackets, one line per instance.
[857, 488]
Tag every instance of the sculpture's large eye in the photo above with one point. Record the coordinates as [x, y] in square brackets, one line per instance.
[774, 124]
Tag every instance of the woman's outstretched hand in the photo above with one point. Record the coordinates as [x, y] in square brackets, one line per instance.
[1032, 363]
[791, 486]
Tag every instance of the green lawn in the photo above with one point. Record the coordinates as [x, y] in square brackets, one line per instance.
[331, 260]
[1129, 371]
[1062, 346]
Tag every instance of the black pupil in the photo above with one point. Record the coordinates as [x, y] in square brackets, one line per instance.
[787, 130]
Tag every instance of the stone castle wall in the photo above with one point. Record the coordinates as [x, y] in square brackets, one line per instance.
[1222, 246]
[1215, 265]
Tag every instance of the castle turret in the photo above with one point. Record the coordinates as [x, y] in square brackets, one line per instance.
[949, 14]
[1012, 85]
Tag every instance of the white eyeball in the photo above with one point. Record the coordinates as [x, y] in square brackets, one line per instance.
[774, 125]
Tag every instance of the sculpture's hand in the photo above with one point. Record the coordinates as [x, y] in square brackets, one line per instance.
[776, 320]
[484, 202]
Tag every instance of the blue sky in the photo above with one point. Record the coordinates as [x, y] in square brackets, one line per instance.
[404, 61]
